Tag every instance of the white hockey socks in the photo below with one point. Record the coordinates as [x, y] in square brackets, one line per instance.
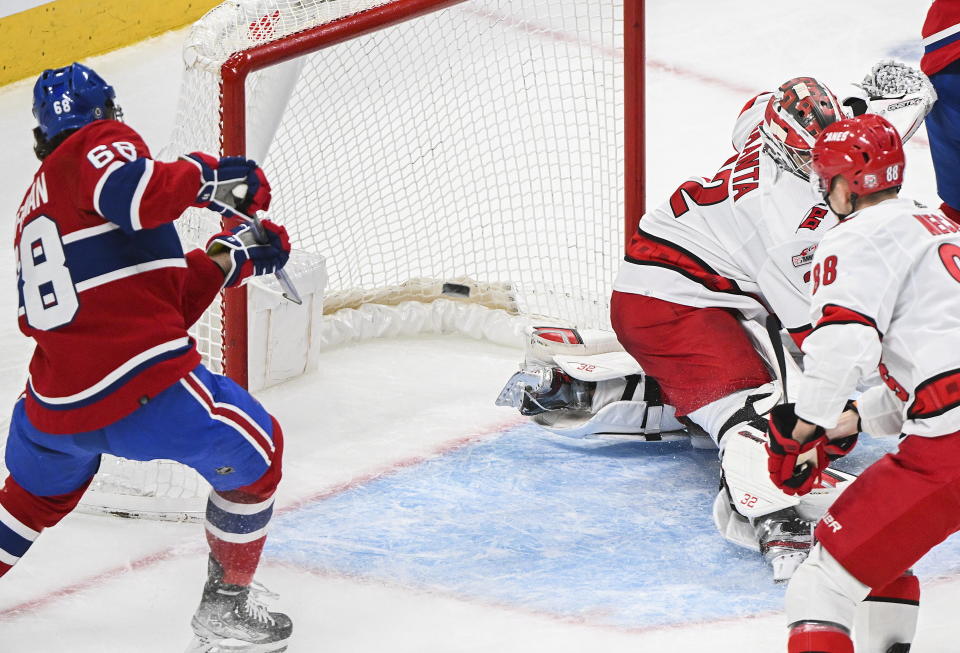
[888, 616]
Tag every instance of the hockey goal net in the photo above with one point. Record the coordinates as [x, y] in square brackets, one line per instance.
[429, 151]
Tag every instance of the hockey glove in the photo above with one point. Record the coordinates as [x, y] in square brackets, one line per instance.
[230, 183]
[901, 94]
[793, 467]
[250, 258]
[892, 79]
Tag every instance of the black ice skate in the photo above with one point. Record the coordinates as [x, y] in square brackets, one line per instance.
[785, 541]
[234, 619]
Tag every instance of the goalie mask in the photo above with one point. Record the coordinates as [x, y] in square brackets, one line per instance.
[797, 113]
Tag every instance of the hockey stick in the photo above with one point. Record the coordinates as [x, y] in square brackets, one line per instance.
[773, 331]
[289, 290]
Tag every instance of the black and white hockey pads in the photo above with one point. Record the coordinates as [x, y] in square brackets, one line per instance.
[581, 383]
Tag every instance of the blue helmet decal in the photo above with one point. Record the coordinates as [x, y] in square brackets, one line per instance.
[69, 98]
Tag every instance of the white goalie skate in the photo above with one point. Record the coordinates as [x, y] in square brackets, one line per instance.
[235, 619]
[785, 540]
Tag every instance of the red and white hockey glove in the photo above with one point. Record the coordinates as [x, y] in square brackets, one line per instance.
[230, 184]
[250, 258]
[794, 467]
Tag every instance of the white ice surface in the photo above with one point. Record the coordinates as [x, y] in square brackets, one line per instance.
[97, 584]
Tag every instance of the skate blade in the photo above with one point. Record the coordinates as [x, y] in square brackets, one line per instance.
[784, 565]
[206, 645]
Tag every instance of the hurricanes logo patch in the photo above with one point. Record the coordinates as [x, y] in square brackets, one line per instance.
[813, 218]
[804, 257]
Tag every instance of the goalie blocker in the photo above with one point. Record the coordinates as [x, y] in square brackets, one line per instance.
[582, 383]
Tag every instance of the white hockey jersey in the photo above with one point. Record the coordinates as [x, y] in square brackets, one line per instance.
[742, 240]
[886, 293]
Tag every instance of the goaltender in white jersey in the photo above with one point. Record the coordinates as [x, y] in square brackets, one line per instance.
[750, 233]
[700, 275]
[719, 256]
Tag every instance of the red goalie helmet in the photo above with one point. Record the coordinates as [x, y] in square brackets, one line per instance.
[866, 151]
[797, 113]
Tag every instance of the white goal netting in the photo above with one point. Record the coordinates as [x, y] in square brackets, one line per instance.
[478, 147]
[480, 141]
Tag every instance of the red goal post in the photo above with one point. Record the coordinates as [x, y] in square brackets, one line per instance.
[496, 147]
[235, 73]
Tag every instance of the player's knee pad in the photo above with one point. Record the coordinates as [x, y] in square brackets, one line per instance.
[888, 616]
[822, 590]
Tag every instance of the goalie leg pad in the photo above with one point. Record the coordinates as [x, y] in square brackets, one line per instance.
[733, 526]
[577, 394]
[744, 466]
[745, 406]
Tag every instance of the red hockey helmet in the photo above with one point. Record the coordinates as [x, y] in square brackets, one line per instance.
[797, 113]
[866, 151]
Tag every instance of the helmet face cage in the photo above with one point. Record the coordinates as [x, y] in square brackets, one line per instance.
[797, 113]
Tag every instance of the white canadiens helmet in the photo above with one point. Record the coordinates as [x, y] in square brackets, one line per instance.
[797, 113]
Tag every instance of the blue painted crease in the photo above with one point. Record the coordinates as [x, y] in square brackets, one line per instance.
[617, 534]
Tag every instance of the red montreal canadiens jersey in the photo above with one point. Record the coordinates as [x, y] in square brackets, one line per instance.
[743, 240]
[941, 36]
[886, 293]
[105, 289]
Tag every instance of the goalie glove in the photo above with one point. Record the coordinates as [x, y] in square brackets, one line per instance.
[230, 184]
[794, 467]
[893, 80]
[248, 256]
[901, 94]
